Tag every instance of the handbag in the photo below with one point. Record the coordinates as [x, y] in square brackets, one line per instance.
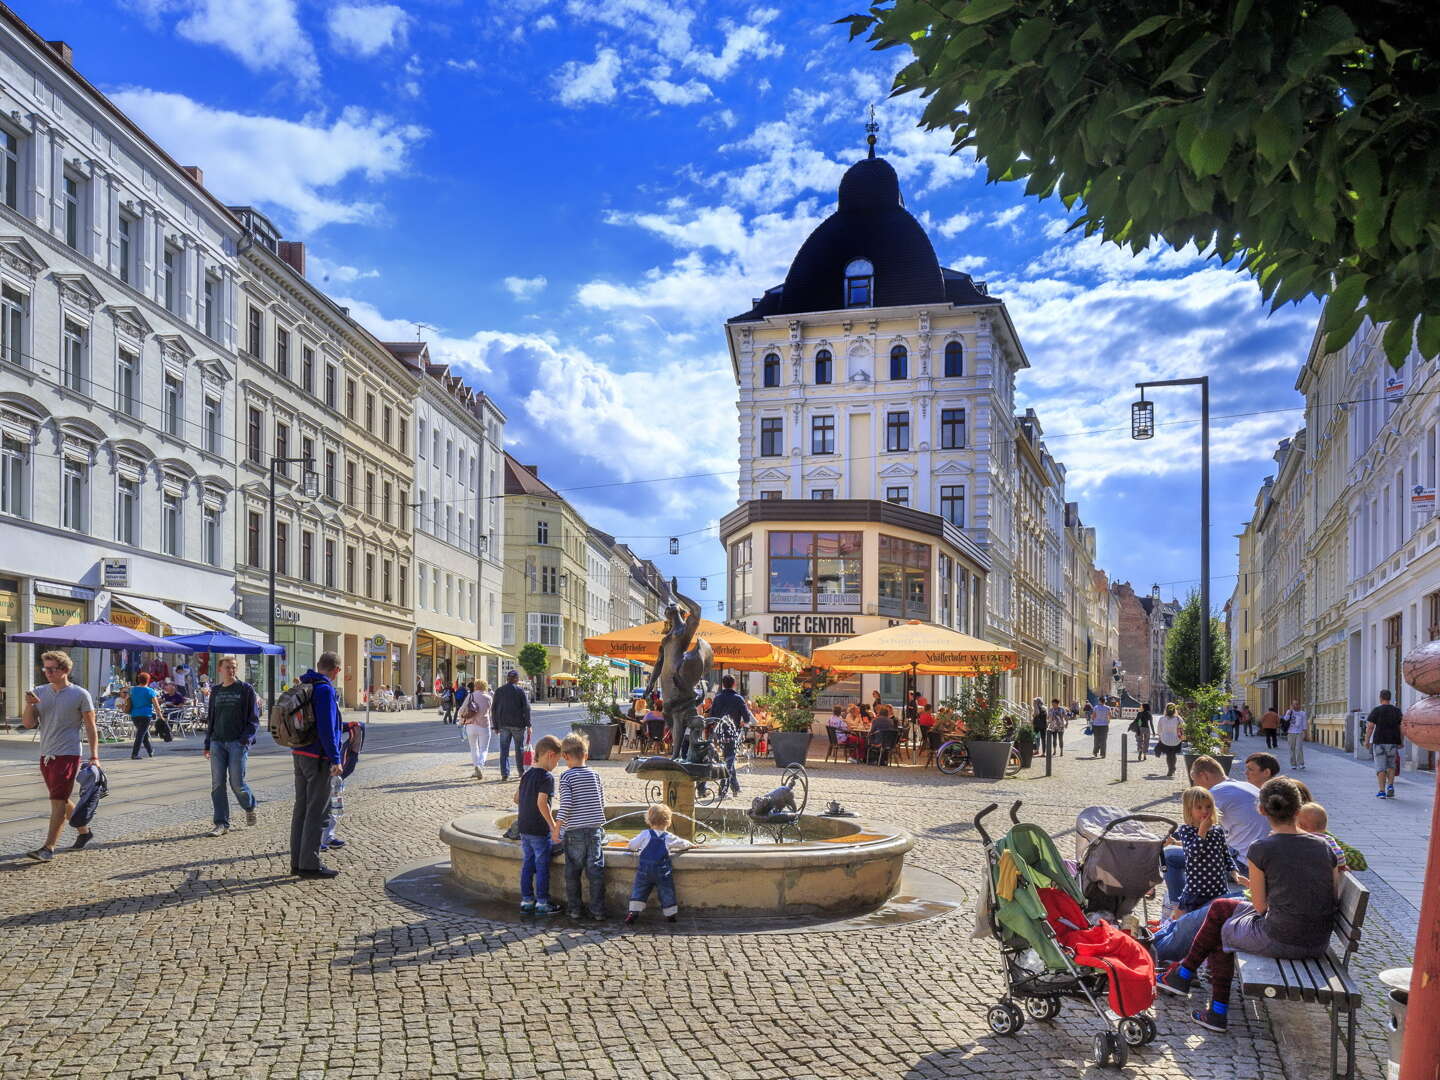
[528, 755]
[1089, 730]
[162, 728]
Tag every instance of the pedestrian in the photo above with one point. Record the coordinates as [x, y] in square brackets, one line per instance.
[1100, 727]
[231, 721]
[510, 716]
[1247, 719]
[1168, 736]
[447, 704]
[62, 711]
[535, 822]
[1270, 728]
[1296, 724]
[462, 691]
[475, 719]
[352, 735]
[1039, 722]
[1142, 727]
[875, 701]
[1382, 736]
[579, 826]
[653, 870]
[141, 704]
[419, 693]
[315, 763]
[729, 703]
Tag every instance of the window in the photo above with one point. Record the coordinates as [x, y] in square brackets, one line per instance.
[954, 360]
[170, 525]
[952, 429]
[211, 420]
[254, 435]
[1432, 615]
[14, 470]
[10, 169]
[822, 434]
[507, 628]
[72, 357]
[253, 329]
[173, 403]
[404, 579]
[742, 576]
[542, 532]
[899, 362]
[771, 370]
[73, 480]
[330, 474]
[404, 441]
[952, 504]
[859, 283]
[307, 556]
[904, 586]
[814, 571]
[127, 379]
[349, 569]
[369, 492]
[252, 539]
[900, 496]
[766, 496]
[386, 573]
[282, 449]
[897, 431]
[772, 436]
[824, 368]
[549, 580]
[420, 438]
[72, 212]
[449, 457]
[369, 412]
[307, 369]
[545, 628]
[210, 535]
[307, 451]
[350, 398]
[389, 492]
[170, 279]
[435, 446]
[449, 594]
[12, 325]
[126, 237]
[210, 315]
[369, 575]
[282, 352]
[127, 509]
[282, 547]
[822, 494]
[387, 416]
[329, 563]
[331, 377]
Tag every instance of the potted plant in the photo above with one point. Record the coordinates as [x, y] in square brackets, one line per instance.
[983, 725]
[600, 727]
[1025, 743]
[792, 714]
[1202, 734]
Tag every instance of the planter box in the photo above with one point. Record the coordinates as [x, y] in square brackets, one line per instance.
[1225, 760]
[1026, 752]
[988, 759]
[789, 747]
[603, 738]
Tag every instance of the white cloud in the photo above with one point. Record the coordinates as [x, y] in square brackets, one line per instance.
[740, 42]
[587, 84]
[320, 269]
[265, 35]
[1005, 217]
[956, 223]
[545, 22]
[669, 93]
[365, 29]
[523, 288]
[304, 162]
[1092, 255]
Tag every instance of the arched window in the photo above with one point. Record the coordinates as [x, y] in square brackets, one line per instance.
[859, 284]
[954, 360]
[899, 362]
[824, 368]
[772, 369]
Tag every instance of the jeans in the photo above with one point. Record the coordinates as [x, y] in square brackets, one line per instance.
[535, 867]
[585, 853]
[307, 819]
[227, 763]
[507, 736]
[1173, 940]
[730, 764]
[1174, 863]
[142, 735]
[1272, 739]
[1296, 739]
[659, 876]
[1056, 738]
[478, 735]
[1101, 733]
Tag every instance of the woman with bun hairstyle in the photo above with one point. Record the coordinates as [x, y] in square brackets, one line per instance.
[1294, 880]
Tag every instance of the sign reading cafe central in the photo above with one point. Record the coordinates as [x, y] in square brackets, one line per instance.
[814, 624]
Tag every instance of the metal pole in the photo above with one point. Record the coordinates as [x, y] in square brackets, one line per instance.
[1205, 657]
[270, 659]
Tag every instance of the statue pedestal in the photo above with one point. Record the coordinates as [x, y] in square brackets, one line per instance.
[680, 798]
[677, 787]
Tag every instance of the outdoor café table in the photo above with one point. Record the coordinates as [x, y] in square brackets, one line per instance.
[859, 743]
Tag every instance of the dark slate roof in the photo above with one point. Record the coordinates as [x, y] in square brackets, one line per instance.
[871, 222]
[525, 480]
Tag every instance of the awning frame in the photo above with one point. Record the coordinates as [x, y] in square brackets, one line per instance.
[160, 613]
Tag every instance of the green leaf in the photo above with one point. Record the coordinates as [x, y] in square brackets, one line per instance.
[1238, 17]
[1397, 339]
[1029, 39]
[1362, 173]
[1278, 131]
[1210, 150]
[1369, 220]
[1345, 298]
[1186, 60]
[1339, 336]
[978, 11]
[1146, 26]
[1408, 217]
[1428, 335]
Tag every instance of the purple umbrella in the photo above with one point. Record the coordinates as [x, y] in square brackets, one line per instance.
[213, 641]
[100, 634]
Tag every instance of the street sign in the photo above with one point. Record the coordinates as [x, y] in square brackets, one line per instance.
[378, 641]
[115, 573]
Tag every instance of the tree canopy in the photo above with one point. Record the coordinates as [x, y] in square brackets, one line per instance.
[533, 658]
[1300, 138]
[1182, 651]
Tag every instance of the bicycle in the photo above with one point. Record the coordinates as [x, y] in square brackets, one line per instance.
[953, 759]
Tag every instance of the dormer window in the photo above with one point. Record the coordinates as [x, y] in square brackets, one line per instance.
[772, 370]
[859, 284]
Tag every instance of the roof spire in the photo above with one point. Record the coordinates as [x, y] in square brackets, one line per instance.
[871, 127]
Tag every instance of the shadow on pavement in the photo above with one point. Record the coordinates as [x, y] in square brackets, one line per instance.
[192, 890]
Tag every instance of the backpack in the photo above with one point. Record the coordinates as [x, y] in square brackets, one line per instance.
[292, 717]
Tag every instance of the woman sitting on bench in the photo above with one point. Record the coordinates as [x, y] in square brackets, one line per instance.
[1293, 883]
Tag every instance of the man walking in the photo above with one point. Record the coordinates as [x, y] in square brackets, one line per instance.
[1100, 727]
[729, 704]
[1295, 724]
[231, 721]
[1382, 735]
[315, 763]
[61, 711]
[510, 715]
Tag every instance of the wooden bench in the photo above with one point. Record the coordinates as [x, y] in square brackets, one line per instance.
[1325, 981]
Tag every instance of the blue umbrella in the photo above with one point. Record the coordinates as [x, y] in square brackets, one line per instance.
[100, 634]
[214, 641]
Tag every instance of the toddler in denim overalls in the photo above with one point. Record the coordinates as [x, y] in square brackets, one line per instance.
[654, 871]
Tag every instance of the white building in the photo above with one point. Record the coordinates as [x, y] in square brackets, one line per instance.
[117, 368]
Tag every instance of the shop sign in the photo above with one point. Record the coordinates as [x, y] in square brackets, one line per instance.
[814, 624]
[115, 573]
[130, 620]
[1394, 387]
[57, 612]
[9, 606]
[1422, 500]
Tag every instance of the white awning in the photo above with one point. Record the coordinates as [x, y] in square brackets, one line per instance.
[230, 624]
[177, 622]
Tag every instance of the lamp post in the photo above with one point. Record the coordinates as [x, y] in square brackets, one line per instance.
[1142, 426]
[310, 488]
[483, 549]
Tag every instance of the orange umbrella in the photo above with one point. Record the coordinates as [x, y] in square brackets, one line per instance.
[921, 648]
[643, 643]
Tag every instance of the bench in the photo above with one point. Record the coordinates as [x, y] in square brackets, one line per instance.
[1325, 981]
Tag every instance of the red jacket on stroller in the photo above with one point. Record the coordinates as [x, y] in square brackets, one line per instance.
[1129, 966]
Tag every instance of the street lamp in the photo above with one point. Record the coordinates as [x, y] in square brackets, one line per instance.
[310, 488]
[674, 545]
[1142, 426]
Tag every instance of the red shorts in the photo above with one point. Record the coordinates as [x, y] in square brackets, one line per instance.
[59, 773]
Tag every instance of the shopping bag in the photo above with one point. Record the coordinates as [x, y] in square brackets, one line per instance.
[528, 757]
[162, 728]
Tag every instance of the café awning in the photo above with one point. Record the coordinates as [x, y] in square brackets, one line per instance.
[178, 622]
[920, 648]
[464, 644]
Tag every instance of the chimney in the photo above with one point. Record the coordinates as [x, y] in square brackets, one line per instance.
[195, 173]
[293, 252]
[63, 51]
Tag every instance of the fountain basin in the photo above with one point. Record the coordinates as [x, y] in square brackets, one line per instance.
[841, 867]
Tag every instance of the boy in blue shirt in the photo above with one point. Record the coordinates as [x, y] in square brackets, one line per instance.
[536, 823]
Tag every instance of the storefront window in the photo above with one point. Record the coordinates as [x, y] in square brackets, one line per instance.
[814, 571]
[904, 586]
[946, 585]
[742, 574]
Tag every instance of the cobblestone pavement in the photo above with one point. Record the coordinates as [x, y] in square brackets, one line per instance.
[163, 953]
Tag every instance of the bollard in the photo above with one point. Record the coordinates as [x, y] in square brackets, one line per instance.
[1124, 755]
[1049, 751]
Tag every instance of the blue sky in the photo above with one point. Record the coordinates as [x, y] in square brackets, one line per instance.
[572, 196]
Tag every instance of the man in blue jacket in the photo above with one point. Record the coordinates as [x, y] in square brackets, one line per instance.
[729, 704]
[315, 763]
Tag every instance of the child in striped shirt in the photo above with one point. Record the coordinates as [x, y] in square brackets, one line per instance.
[580, 817]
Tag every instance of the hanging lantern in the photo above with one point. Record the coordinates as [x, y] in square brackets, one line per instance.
[704, 584]
[720, 606]
[1142, 418]
[674, 545]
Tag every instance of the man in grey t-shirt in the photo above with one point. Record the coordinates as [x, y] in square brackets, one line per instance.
[62, 711]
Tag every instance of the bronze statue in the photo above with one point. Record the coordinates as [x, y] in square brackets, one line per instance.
[682, 662]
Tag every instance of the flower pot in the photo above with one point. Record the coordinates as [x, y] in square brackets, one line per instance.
[789, 747]
[1225, 760]
[988, 759]
[1026, 752]
[602, 738]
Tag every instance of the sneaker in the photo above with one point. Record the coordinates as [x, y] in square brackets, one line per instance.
[1390, 791]
[1381, 795]
[575, 913]
[1172, 982]
[43, 854]
[251, 818]
[321, 872]
[218, 830]
[544, 907]
[479, 774]
[670, 918]
[630, 917]
[1209, 1018]
[335, 842]
[527, 905]
[81, 840]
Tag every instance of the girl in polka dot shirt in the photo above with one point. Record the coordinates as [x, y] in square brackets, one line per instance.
[1209, 868]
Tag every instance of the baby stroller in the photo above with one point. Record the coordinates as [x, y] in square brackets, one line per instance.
[1119, 855]
[1031, 904]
